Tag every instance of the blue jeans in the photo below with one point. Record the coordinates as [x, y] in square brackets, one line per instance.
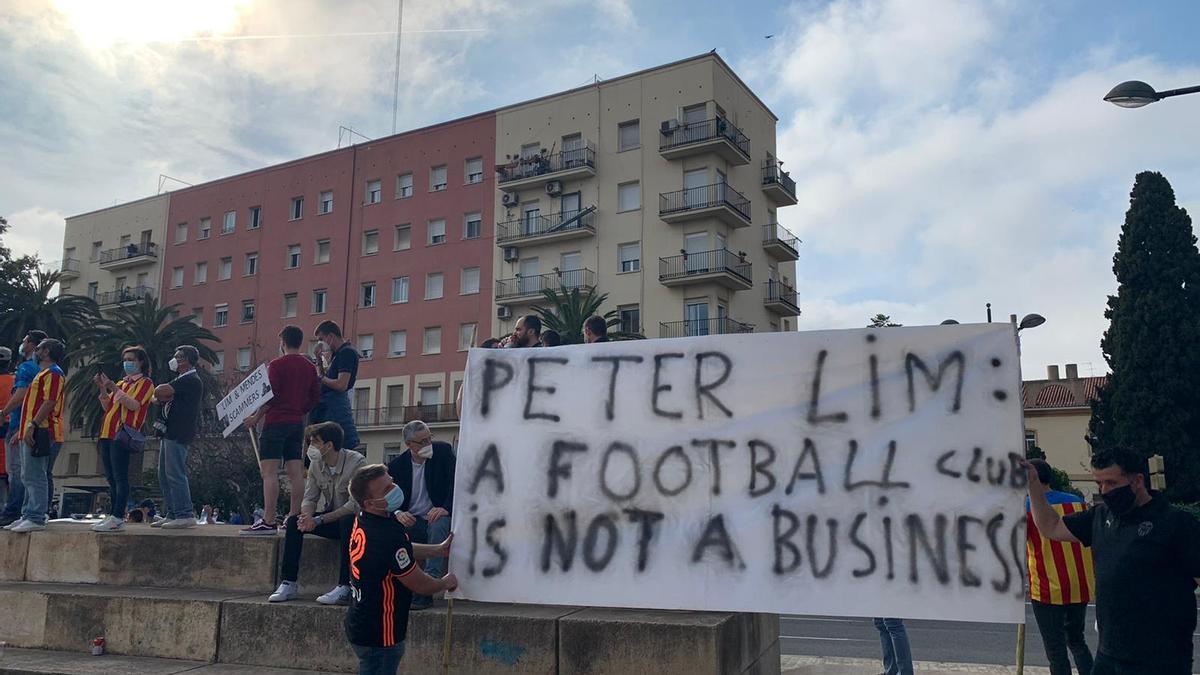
[423, 533]
[379, 660]
[116, 470]
[335, 407]
[16, 486]
[173, 480]
[34, 473]
[897, 659]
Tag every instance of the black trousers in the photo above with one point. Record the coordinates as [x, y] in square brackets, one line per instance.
[1061, 627]
[293, 545]
[1107, 665]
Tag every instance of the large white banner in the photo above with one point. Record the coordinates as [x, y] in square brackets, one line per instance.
[857, 473]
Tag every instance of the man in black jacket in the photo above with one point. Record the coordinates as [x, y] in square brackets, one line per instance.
[426, 474]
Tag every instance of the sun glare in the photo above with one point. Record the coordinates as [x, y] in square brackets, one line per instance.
[102, 24]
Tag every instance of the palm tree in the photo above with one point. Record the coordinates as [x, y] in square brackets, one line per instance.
[98, 349]
[571, 307]
[26, 303]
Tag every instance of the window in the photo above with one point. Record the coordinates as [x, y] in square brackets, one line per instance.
[225, 270]
[629, 257]
[293, 256]
[93, 289]
[466, 336]
[472, 225]
[367, 295]
[255, 218]
[366, 345]
[629, 196]
[474, 170]
[399, 290]
[374, 191]
[122, 282]
[219, 364]
[251, 264]
[297, 208]
[370, 244]
[180, 233]
[437, 232]
[176, 278]
[247, 311]
[398, 343]
[433, 341]
[326, 204]
[229, 224]
[205, 228]
[437, 178]
[243, 358]
[403, 240]
[289, 305]
[469, 281]
[318, 303]
[322, 251]
[96, 248]
[198, 316]
[430, 395]
[201, 275]
[404, 186]
[631, 318]
[221, 315]
[1030, 440]
[433, 285]
[629, 136]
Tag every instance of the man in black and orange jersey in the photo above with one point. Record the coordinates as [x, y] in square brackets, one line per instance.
[1061, 583]
[384, 573]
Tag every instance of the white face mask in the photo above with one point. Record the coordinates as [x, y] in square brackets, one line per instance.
[426, 451]
[173, 364]
[314, 454]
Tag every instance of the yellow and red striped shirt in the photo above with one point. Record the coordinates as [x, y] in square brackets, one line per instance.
[1060, 573]
[47, 386]
[140, 390]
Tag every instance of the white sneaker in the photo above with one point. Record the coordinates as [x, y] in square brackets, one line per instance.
[179, 523]
[109, 524]
[288, 590]
[13, 524]
[28, 526]
[338, 596]
[158, 521]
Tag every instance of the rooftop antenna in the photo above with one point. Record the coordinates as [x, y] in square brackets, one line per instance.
[349, 134]
[396, 84]
[163, 178]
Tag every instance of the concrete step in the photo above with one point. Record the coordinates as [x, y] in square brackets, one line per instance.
[42, 662]
[832, 665]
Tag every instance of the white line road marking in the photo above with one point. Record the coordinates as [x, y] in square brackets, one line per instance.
[826, 639]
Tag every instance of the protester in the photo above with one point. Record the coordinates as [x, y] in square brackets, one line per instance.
[426, 474]
[337, 370]
[550, 338]
[384, 573]
[296, 391]
[490, 343]
[897, 657]
[1147, 559]
[125, 405]
[41, 434]
[595, 329]
[26, 371]
[6, 386]
[527, 332]
[149, 513]
[135, 516]
[330, 470]
[1060, 583]
[181, 399]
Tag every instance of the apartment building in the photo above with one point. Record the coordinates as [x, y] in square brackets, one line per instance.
[660, 189]
[1057, 412]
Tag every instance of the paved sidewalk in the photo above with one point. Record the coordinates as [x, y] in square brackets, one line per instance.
[832, 665]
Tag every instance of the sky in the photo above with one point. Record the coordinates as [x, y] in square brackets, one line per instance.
[947, 153]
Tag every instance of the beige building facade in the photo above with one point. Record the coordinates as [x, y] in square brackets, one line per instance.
[1057, 412]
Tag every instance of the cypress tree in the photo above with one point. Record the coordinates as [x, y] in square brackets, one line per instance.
[1152, 399]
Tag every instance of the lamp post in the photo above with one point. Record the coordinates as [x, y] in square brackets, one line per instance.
[1135, 94]
[1028, 321]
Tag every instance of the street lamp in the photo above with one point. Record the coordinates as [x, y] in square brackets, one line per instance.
[1135, 94]
[1031, 321]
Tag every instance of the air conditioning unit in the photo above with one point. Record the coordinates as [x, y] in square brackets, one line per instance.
[510, 199]
[669, 126]
[554, 188]
[511, 254]
[504, 313]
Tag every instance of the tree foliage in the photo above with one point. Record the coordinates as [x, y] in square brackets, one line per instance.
[568, 308]
[1060, 480]
[882, 321]
[28, 301]
[1151, 401]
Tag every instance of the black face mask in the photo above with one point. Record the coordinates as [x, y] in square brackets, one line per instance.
[1120, 500]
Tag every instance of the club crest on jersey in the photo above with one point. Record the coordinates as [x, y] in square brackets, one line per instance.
[402, 558]
[1145, 528]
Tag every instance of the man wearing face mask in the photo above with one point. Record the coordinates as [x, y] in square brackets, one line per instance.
[426, 474]
[42, 434]
[337, 368]
[330, 469]
[180, 399]
[1146, 554]
[384, 573]
[12, 459]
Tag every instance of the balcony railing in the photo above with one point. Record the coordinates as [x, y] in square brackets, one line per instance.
[703, 263]
[114, 255]
[694, 133]
[693, 327]
[777, 239]
[775, 178]
[546, 164]
[782, 296]
[70, 267]
[519, 287]
[366, 418]
[704, 197]
[531, 227]
[123, 295]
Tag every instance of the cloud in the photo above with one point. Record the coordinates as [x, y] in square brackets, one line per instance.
[36, 231]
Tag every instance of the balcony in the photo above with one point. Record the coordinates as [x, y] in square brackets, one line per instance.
[782, 299]
[124, 296]
[132, 255]
[710, 201]
[69, 269]
[533, 230]
[538, 169]
[778, 185]
[696, 138]
[720, 267]
[375, 418]
[522, 290]
[694, 327]
[779, 243]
